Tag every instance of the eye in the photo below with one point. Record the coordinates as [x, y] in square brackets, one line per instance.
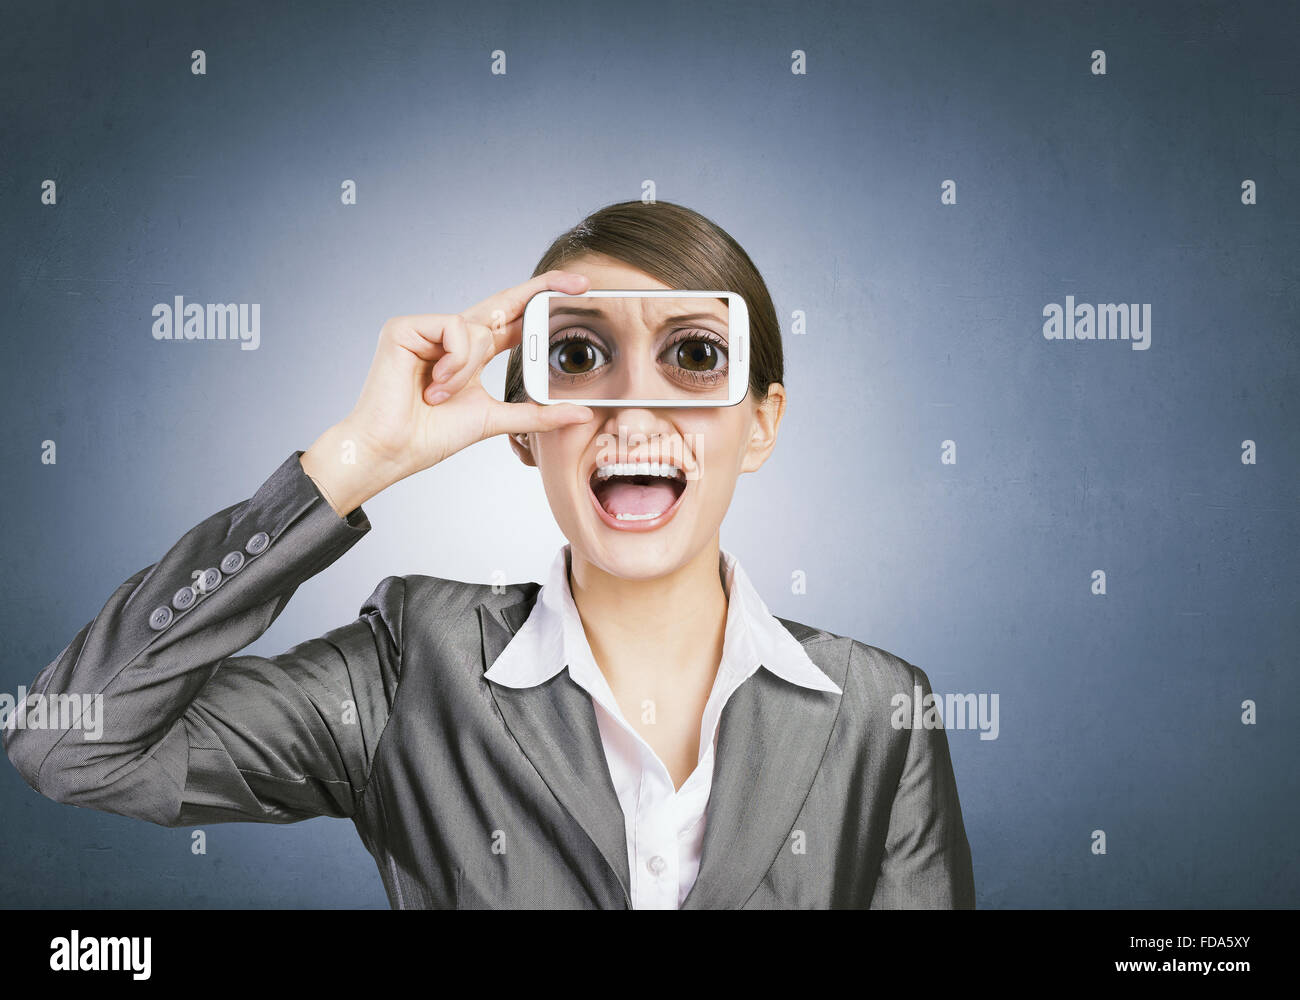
[577, 353]
[698, 357]
[695, 356]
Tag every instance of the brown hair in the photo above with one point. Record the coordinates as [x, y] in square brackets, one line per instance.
[682, 249]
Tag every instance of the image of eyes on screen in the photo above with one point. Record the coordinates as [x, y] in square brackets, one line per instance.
[647, 348]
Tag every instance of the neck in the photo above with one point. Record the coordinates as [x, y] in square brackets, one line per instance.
[670, 627]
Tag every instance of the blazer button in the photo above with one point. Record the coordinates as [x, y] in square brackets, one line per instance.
[232, 563]
[258, 543]
[208, 581]
[183, 598]
[161, 618]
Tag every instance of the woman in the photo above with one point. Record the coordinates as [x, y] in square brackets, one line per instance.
[639, 732]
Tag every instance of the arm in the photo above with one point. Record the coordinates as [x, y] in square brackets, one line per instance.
[193, 734]
[927, 863]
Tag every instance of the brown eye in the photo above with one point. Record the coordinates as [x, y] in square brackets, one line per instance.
[697, 355]
[576, 356]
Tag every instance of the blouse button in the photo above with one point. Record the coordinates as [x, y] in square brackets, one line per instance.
[656, 865]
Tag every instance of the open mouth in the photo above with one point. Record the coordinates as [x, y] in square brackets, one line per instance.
[637, 493]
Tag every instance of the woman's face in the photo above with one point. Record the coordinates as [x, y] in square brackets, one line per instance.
[712, 445]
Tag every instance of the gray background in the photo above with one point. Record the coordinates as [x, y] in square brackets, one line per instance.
[1118, 713]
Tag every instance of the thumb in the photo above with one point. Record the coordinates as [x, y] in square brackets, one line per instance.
[521, 418]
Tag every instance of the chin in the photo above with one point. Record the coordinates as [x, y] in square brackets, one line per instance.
[638, 554]
[636, 561]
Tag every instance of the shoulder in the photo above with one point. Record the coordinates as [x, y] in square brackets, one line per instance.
[404, 599]
[865, 672]
[879, 705]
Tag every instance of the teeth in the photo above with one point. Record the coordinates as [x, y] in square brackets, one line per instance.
[635, 517]
[638, 469]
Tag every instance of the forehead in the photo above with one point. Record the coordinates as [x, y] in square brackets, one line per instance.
[645, 309]
[606, 272]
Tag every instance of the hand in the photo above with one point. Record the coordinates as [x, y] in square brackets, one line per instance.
[423, 399]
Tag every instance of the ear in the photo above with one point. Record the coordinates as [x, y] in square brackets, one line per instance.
[519, 444]
[767, 419]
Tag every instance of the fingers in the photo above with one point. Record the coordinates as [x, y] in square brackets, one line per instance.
[459, 345]
[420, 334]
[468, 348]
[520, 418]
[503, 313]
[456, 345]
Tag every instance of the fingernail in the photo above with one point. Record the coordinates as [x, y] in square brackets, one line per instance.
[438, 397]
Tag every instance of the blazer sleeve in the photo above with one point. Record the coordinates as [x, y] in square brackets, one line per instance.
[189, 733]
[927, 862]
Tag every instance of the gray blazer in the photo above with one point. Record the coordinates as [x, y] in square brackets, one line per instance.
[469, 794]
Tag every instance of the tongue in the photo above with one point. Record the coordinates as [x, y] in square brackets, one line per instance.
[629, 498]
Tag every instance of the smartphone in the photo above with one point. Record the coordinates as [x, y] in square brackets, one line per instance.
[634, 347]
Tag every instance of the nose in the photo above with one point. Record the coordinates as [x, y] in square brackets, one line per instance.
[639, 378]
[638, 434]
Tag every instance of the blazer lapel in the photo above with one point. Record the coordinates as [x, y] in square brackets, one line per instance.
[555, 726]
[771, 740]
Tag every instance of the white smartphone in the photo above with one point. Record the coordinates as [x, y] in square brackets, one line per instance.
[635, 347]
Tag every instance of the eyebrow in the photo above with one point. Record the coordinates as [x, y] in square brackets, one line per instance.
[578, 311]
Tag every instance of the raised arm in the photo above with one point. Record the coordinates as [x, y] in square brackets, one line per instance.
[157, 718]
[189, 733]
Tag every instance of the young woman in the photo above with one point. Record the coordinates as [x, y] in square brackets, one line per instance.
[638, 732]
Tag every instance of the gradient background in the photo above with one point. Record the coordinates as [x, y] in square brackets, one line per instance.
[1119, 712]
